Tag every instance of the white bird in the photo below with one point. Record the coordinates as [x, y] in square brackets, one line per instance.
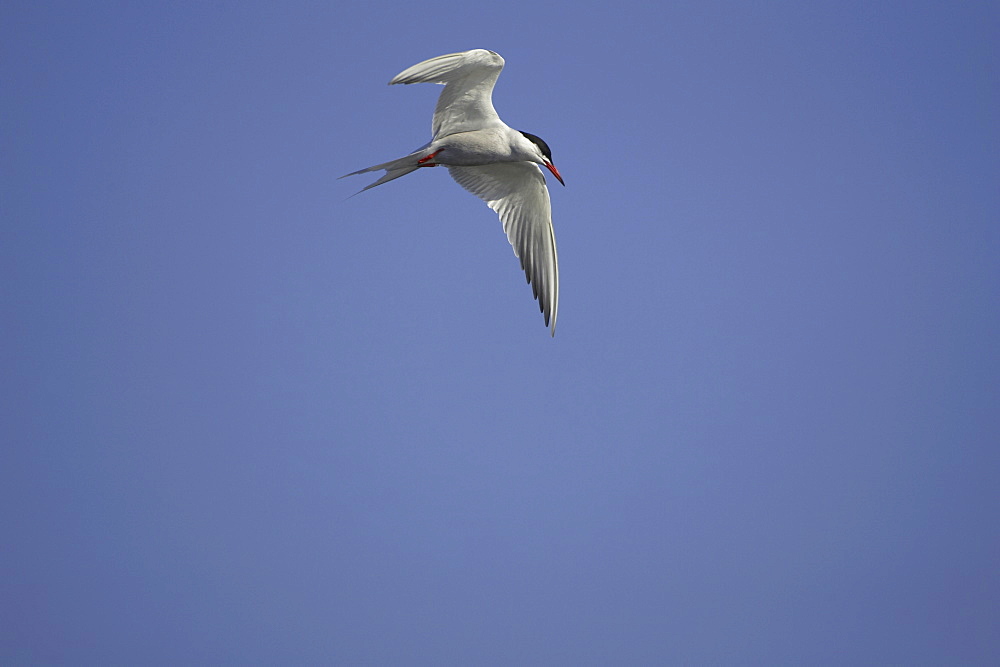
[489, 159]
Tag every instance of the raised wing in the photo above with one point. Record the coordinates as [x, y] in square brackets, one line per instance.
[517, 192]
[466, 103]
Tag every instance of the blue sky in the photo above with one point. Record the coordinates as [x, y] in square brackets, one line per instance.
[248, 419]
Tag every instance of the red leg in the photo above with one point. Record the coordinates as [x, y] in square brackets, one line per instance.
[422, 160]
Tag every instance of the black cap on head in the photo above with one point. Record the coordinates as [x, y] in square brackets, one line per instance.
[542, 146]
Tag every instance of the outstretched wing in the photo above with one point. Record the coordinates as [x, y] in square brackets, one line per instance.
[517, 192]
[466, 103]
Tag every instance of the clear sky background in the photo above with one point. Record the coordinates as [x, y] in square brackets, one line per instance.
[248, 419]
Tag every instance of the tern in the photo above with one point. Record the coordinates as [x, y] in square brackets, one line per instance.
[498, 164]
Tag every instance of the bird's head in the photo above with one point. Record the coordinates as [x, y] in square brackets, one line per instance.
[544, 154]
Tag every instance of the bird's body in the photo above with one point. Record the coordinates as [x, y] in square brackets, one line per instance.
[479, 147]
[489, 159]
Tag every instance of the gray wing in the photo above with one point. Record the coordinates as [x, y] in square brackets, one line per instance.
[466, 103]
[517, 192]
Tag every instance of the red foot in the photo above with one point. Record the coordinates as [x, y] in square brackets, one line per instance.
[422, 160]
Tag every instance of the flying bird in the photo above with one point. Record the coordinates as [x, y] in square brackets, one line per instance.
[498, 164]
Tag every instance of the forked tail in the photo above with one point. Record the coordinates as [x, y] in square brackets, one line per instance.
[393, 169]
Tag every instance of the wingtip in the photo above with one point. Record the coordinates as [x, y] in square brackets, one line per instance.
[550, 321]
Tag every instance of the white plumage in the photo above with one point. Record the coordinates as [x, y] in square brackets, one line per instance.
[498, 164]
